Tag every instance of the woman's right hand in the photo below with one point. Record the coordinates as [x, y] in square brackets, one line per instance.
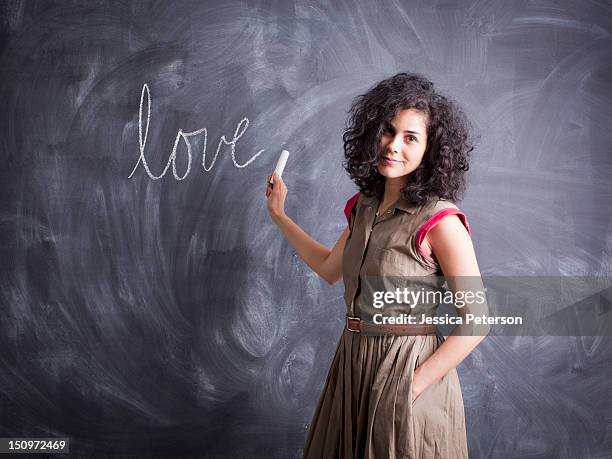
[276, 195]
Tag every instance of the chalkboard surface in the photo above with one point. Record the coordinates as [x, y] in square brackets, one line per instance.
[149, 305]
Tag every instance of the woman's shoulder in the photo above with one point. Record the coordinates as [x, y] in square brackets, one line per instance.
[350, 204]
[439, 204]
[433, 212]
[358, 199]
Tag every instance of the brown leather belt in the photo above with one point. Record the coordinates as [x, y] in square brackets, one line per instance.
[355, 324]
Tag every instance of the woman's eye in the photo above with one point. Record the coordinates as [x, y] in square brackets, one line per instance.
[411, 138]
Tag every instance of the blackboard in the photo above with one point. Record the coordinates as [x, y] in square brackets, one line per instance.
[163, 314]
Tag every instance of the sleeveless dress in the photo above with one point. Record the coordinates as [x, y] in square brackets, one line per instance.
[365, 410]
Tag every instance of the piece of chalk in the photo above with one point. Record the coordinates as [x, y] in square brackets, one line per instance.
[280, 164]
[282, 161]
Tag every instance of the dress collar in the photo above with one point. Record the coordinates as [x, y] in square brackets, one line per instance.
[401, 203]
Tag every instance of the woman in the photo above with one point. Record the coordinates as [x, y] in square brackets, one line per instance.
[392, 390]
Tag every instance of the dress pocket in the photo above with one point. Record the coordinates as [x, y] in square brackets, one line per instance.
[416, 365]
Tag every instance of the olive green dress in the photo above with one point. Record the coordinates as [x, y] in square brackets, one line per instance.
[365, 410]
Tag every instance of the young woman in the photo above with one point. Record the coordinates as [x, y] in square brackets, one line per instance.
[392, 390]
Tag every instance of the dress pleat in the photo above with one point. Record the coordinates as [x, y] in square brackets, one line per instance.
[365, 412]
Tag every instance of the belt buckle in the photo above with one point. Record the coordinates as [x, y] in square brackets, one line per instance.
[347, 324]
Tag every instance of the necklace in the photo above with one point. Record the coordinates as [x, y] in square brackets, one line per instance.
[388, 211]
[389, 208]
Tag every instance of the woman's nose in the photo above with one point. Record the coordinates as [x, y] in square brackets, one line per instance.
[395, 145]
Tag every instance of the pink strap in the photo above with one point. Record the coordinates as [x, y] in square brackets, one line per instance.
[350, 204]
[433, 221]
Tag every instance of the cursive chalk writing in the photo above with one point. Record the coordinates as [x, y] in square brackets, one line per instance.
[184, 136]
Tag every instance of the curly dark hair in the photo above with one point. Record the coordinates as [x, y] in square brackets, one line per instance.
[441, 173]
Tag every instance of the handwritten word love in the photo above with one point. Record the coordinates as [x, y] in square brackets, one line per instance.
[184, 136]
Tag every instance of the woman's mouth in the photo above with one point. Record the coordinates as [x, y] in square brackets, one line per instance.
[389, 162]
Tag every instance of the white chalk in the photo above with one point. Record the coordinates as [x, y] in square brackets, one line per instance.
[280, 164]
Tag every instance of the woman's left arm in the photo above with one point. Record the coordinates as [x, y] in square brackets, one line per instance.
[452, 246]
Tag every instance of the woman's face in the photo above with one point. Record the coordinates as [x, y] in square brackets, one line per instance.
[403, 143]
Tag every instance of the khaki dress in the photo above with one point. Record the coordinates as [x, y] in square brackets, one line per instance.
[365, 410]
